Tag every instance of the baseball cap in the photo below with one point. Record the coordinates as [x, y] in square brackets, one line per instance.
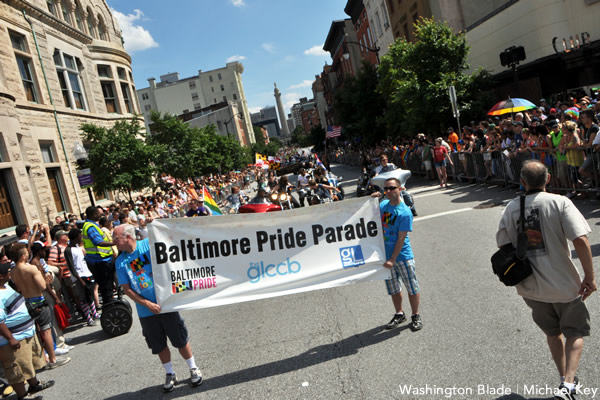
[4, 268]
[552, 123]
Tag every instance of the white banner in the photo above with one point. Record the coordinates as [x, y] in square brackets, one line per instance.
[207, 262]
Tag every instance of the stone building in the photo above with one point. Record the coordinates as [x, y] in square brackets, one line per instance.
[62, 64]
[177, 96]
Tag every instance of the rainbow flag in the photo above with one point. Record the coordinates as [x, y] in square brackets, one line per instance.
[210, 203]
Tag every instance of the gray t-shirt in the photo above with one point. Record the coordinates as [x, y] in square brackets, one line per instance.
[550, 221]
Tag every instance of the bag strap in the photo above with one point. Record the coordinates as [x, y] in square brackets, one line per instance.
[522, 236]
[522, 213]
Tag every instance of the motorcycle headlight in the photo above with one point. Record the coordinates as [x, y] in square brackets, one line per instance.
[283, 196]
[274, 196]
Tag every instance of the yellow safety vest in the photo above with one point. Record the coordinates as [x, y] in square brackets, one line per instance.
[89, 246]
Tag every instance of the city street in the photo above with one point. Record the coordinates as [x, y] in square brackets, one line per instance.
[478, 340]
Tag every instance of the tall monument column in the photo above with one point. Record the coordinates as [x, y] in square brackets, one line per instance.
[282, 119]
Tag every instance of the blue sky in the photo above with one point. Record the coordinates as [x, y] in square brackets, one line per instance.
[276, 41]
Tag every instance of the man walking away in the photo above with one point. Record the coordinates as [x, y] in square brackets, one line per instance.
[554, 292]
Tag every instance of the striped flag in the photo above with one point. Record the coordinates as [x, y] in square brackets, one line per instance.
[333, 131]
[209, 202]
[319, 163]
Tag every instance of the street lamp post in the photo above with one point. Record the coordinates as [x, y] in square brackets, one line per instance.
[230, 119]
[84, 174]
[375, 50]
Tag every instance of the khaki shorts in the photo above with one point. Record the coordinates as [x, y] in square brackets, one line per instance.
[571, 319]
[20, 365]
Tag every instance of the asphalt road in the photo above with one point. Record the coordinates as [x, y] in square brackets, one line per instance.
[478, 340]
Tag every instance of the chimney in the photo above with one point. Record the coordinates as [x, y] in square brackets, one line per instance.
[152, 83]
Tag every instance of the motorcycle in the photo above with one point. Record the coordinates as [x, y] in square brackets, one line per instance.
[368, 184]
[283, 198]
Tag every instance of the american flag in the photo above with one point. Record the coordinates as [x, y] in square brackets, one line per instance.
[333, 131]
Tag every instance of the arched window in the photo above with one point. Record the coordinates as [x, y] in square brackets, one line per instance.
[66, 11]
[90, 24]
[52, 7]
[101, 28]
[79, 17]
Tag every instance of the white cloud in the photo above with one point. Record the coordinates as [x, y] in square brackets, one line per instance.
[235, 58]
[316, 51]
[305, 83]
[290, 99]
[289, 59]
[254, 109]
[238, 3]
[136, 37]
[268, 47]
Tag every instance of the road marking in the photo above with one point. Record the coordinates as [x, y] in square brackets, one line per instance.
[442, 214]
[436, 190]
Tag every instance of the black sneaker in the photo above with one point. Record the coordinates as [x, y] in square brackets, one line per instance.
[564, 393]
[416, 323]
[396, 320]
[170, 382]
[40, 386]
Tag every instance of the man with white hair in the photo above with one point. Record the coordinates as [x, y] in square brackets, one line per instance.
[555, 292]
[134, 271]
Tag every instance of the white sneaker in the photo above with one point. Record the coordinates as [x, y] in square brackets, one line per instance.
[61, 351]
[195, 377]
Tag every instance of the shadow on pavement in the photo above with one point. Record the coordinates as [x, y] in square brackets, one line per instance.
[95, 336]
[316, 355]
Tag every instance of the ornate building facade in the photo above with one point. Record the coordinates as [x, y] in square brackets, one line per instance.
[62, 64]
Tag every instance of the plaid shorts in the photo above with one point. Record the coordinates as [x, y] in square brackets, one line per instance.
[406, 271]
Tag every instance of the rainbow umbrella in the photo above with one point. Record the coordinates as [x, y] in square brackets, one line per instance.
[573, 112]
[511, 106]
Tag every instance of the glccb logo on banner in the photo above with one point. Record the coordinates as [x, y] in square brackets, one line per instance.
[352, 256]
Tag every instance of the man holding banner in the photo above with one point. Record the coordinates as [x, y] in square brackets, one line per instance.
[134, 271]
[396, 220]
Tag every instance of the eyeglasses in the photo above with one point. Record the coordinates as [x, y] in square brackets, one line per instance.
[390, 188]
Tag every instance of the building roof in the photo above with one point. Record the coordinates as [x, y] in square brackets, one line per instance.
[336, 32]
[354, 8]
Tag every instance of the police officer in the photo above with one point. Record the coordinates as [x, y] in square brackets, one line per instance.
[98, 253]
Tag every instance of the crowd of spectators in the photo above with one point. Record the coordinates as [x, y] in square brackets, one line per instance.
[563, 136]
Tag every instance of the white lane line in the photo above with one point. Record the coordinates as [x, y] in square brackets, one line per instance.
[430, 194]
[437, 189]
[442, 214]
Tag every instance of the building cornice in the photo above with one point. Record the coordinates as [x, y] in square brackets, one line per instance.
[102, 47]
[46, 108]
[49, 19]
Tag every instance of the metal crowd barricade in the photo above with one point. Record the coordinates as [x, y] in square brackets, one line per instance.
[503, 167]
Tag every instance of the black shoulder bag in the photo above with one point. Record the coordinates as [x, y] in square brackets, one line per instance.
[509, 264]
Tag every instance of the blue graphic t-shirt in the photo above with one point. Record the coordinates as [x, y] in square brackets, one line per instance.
[135, 269]
[396, 219]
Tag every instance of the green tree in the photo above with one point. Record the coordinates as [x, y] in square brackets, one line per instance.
[258, 135]
[184, 151]
[317, 138]
[235, 157]
[119, 157]
[415, 76]
[359, 107]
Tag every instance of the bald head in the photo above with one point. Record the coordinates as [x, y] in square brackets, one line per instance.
[534, 175]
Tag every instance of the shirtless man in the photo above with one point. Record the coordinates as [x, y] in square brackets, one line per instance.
[30, 283]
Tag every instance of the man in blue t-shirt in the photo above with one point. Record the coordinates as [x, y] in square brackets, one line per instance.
[134, 272]
[396, 219]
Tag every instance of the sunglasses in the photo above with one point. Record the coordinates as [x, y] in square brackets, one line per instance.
[386, 188]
